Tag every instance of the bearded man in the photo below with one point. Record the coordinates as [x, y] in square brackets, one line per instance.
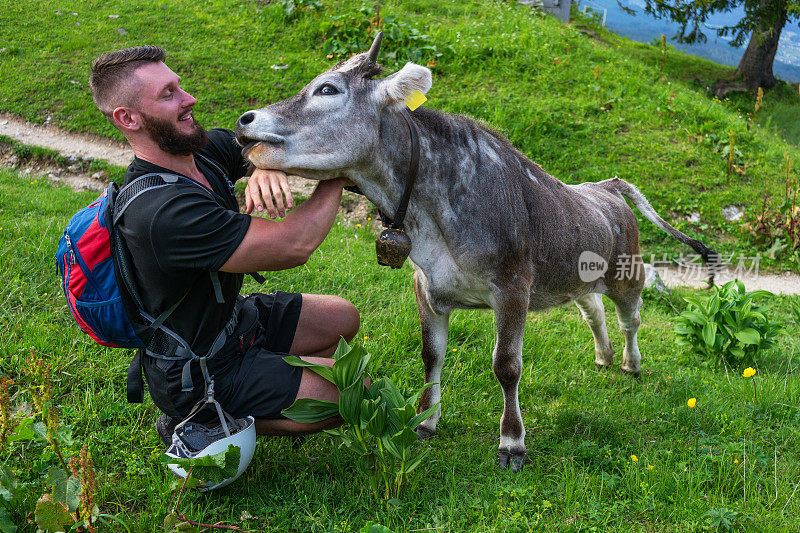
[190, 246]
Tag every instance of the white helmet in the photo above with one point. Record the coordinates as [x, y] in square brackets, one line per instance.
[191, 440]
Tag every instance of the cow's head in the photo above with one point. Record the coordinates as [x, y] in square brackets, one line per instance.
[333, 123]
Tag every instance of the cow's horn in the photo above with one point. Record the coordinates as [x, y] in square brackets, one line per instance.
[376, 46]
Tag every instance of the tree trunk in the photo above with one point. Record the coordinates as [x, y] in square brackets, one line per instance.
[755, 68]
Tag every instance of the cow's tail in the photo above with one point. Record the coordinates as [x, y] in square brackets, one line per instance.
[710, 257]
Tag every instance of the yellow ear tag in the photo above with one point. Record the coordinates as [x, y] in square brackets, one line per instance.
[415, 100]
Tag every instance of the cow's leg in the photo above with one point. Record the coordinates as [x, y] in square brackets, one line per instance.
[434, 346]
[591, 306]
[511, 308]
[628, 316]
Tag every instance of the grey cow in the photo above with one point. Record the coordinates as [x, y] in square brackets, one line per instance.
[489, 228]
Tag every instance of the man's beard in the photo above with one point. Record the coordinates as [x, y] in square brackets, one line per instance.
[165, 133]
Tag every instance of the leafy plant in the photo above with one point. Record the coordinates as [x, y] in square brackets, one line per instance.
[779, 228]
[70, 504]
[721, 519]
[207, 469]
[351, 33]
[727, 325]
[379, 420]
[292, 8]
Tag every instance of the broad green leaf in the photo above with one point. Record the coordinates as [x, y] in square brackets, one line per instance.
[349, 368]
[713, 305]
[341, 349]
[421, 417]
[748, 336]
[23, 431]
[8, 484]
[694, 317]
[391, 447]
[173, 524]
[350, 403]
[210, 468]
[405, 413]
[323, 370]
[310, 410]
[404, 438]
[368, 407]
[738, 352]
[377, 424]
[73, 494]
[390, 395]
[6, 524]
[40, 430]
[52, 516]
[709, 333]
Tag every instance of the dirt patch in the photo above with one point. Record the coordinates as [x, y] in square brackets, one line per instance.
[74, 175]
[786, 283]
[76, 145]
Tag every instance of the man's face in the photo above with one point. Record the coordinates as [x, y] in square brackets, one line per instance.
[166, 111]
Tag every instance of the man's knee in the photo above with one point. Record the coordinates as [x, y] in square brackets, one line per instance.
[350, 320]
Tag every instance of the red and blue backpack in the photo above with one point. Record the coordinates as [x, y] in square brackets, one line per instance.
[95, 270]
[89, 276]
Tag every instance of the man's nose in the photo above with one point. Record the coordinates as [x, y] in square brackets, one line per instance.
[189, 99]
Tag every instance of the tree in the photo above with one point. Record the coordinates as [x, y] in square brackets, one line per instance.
[763, 22]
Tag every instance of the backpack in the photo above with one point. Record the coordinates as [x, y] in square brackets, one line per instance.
[96, 273]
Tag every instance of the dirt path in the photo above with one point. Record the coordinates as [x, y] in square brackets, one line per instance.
[355, 208]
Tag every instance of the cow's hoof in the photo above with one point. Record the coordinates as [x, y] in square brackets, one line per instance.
[637, 374]
[424, 433]
[515, 458]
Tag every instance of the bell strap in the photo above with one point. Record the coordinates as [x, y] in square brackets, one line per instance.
[413, 168]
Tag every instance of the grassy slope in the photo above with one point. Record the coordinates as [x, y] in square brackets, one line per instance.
[540, 83]
[583, 426]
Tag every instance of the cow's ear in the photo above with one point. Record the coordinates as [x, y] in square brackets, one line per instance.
[396, 88]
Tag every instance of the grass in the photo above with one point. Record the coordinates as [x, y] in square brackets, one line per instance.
[583, 426]
[543, 85]
[584, 103]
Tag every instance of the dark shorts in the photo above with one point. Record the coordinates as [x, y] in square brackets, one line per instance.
[250, 375]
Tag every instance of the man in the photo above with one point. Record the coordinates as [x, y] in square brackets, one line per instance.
[185, 236]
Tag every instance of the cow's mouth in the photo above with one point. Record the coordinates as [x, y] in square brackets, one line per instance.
[247, 143]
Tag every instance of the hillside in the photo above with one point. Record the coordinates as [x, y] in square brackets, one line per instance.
[582, 102]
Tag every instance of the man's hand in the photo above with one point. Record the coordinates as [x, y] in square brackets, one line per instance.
[266, 189]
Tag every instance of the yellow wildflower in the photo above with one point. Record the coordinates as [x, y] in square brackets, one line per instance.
[691, 402]
[749, 372]
[634, 459]
[650, 467]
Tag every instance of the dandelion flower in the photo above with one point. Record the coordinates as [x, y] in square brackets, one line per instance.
[691, 403]
[650, 467]
[749, 372]
[634, 459]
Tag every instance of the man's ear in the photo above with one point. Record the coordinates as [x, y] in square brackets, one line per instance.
[396, 88]
[126, 119]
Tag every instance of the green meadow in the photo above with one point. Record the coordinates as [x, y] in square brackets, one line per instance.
[606, 452]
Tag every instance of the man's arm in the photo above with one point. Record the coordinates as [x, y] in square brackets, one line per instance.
[269, 245]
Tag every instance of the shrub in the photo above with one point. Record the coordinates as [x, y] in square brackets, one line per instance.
[727, 325]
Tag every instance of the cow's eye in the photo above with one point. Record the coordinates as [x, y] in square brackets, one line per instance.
[327, 90]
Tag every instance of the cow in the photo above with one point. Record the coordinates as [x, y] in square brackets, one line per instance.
[489, 228]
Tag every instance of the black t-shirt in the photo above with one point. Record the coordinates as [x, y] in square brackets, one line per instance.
[178, 234]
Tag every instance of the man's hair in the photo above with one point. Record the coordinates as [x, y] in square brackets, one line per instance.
[111, 69]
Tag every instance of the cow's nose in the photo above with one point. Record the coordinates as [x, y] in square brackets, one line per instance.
[247, 118]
